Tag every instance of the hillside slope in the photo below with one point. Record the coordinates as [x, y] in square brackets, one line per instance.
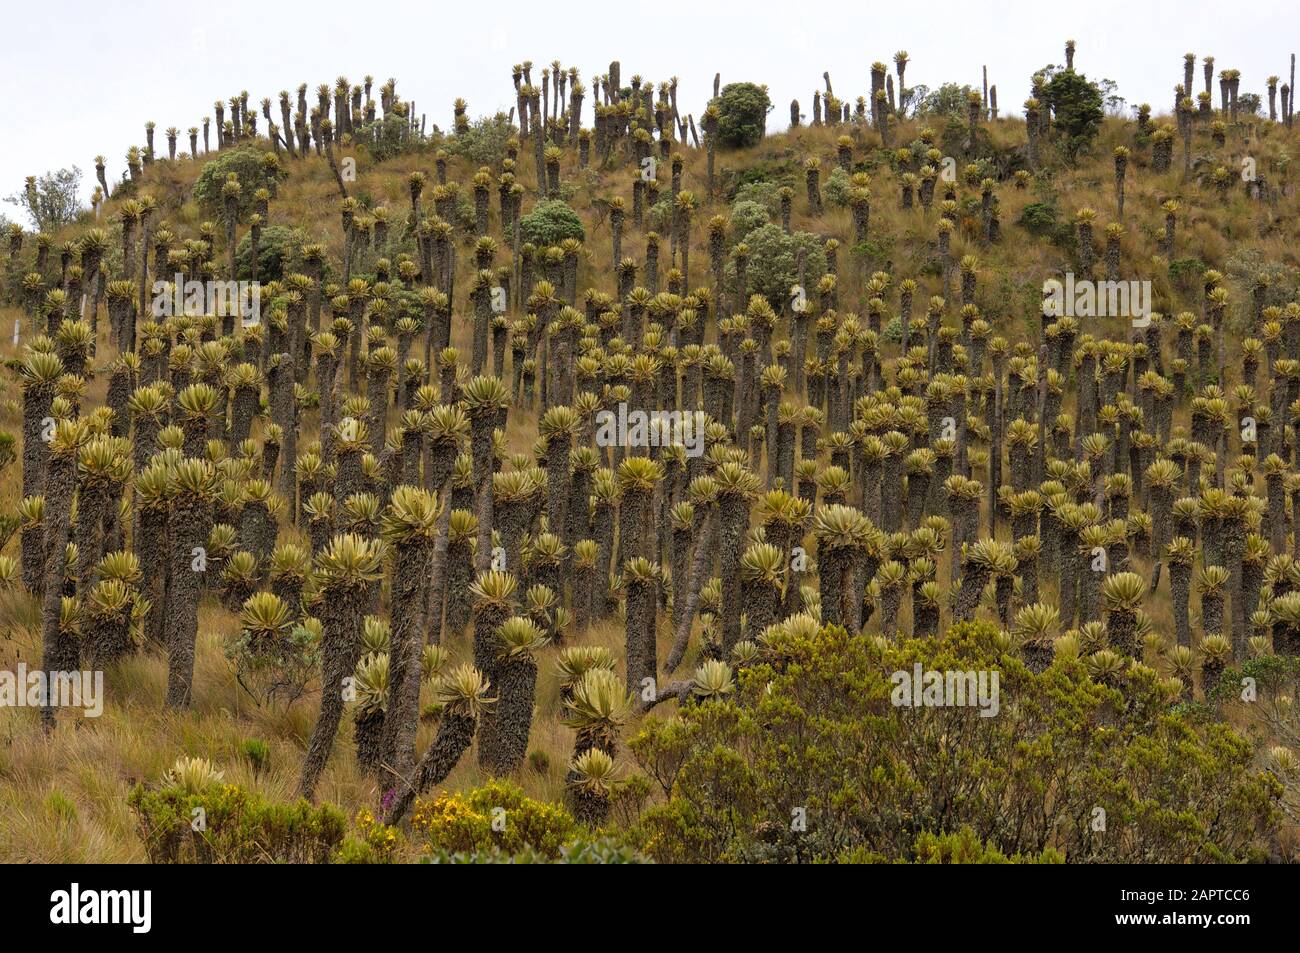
[904, 491]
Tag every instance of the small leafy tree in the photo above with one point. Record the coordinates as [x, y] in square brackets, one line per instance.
[1076, 110]
[253, 168]
[550, 223]
[51, 200]
[774, 263]
[946, 102]
[484, 142]
[277, 253]
[742, 114]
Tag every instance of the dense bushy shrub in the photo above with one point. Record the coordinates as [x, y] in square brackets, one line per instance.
[550, 223]
[484, 142]
[371, 842]
[946, 102]
[1076, 110]
[747, 216]
[837, 186]
[815, 733]
[277, 251]
[389, 136]
[660, 215]
[773, 263]
[765, 192]
[768, 176]
[1040, 218]
[963, 847]
[240, 827]
[464, 823]
[255, 170]
[742, 114]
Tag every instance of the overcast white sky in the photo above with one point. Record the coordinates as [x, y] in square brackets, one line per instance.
[85, 76]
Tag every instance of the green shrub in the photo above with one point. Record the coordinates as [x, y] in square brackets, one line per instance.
[761, 192]
[747, 216]
[773, 263]
[1076, 110]
[1040, 218]
[550, 223]
[1270, 672]
[742, 114]
[496, 815]
[484, 142]
[837, 186]
[963, 847]
[814, 734]
[875, 252]
[946, 102]
[255, 170]
[258, 753]
[1186, 272]
[371, 842]
[8, 449]
[389, 136]
[224, 824]
[61, 807]
[275, 672]
[277, 253]
[760, 181]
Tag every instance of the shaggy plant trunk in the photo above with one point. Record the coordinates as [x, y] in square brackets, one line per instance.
[59, 649]
[341, 611]
[1121, 625]
[974, 577]
[488, 618]
[189, 523]
[1180, 576]
[502, 751]
[733, 513]
[890, 601]
[762, 601]
[1089, 593]
[832, 567]
[590, 808]
[36, 407]
[411, 573]
[633, 520]
[460, 575]
[481, 450]
[1212, 613]
[91, 504]
[891, 494]
[1070, 565]
[455, 733]
[367, 734]
[690, 593]
[640, 634]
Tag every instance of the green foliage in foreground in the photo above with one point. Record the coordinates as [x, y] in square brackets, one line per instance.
[224, 824]
[811, 732]
[495, 816]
